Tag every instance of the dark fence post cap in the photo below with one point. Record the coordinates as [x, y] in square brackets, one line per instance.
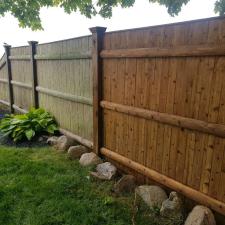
[97, 29]
[5, 45]
[32, 42]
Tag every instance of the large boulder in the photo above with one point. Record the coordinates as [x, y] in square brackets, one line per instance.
[172, 207]
[152, 195]
[75, 152]
[125, 184]
[63, 143]
[200, 215]
[90, 159]
[105, 171]
[52, 140]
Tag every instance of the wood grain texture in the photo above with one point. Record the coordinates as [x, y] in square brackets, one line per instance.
[182, 122]
[164, 180]
[162, 91]
[183, 51]
[97, 41]
[163, 99]
[33, 65]
[65, 84]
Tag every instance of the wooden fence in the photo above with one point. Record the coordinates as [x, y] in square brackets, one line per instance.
[158, 103]
[56, 76]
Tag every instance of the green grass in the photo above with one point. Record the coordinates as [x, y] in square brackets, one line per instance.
[42, 187]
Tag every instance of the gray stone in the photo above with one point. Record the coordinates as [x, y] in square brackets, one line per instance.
[105, 171]
[125, 184]
[152, 195]
[90, 159]
[200, 215]
[43, 138]
[52, 140]
[75, 152]
[64, 142]
[172, 207]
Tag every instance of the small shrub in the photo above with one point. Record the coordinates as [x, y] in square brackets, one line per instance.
[28, 125]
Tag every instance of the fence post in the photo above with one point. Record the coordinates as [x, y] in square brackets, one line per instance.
[97, 45]
[9, 73]
[34, 72]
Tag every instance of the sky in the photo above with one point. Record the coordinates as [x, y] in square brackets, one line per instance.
[58, 25]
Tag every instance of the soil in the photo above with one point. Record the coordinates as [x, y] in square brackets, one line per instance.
[36, 142]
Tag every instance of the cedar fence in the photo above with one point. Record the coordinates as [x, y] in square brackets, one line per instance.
[56, 76]
[158, 103]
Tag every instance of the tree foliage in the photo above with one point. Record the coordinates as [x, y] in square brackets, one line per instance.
[28, 11]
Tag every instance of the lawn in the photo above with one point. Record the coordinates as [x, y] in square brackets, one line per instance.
[42, 187]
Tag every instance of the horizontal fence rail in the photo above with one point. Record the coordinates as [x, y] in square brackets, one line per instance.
[36, 79]
[150, 99]
[158, 177]
[183, 51]
[182, 122]
[20, 84]
[163, 106]
[80, 55]
[74, 98]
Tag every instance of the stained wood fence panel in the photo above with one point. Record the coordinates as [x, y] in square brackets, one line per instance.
[159, 99]
[64, 82]
[21, 77]
[64, 68]
[171, 71]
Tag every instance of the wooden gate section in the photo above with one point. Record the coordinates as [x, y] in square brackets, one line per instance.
[163, 105]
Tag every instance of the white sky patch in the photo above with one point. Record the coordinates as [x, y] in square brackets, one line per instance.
[59, 25]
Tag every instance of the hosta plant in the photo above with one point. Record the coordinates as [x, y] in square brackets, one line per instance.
[28, 125]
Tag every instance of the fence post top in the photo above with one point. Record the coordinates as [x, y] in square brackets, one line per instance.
[5, 45]
[97, 29]
[32, 42]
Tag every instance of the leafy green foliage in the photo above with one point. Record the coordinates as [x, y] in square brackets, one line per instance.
[27, 11]
[220, 7]
[26, 126]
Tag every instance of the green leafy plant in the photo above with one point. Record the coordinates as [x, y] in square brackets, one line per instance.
[28, 125]
[28, 11]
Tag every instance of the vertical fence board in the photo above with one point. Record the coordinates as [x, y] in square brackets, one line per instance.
[169, 71]
[70, 76]
[190, 86]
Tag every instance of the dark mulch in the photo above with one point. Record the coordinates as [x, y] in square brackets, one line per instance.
[36, 142]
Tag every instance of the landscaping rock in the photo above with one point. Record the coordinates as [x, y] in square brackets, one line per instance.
[52, 140]
[126, 184]
[153, 196]
[200, 215]
[75, 152]
[105, 171]
[43, 138]
[173, 206]
[90, 159]
[63, 143]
